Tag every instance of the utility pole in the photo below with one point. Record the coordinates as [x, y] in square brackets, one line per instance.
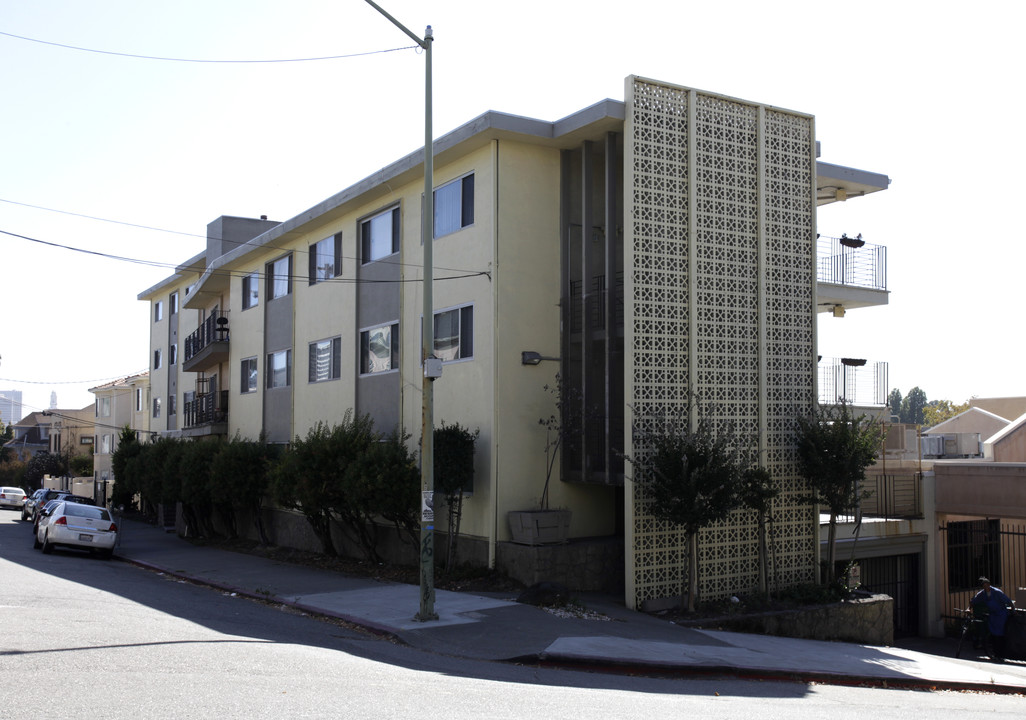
[432, 366]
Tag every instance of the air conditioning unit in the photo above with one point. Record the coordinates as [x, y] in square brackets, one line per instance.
[932, 446]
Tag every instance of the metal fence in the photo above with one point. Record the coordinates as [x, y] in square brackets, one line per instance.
[987, 547]
[857, 382]
[839, 263]
[894, 496]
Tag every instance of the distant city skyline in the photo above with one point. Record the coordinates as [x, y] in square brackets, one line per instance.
[11, 410]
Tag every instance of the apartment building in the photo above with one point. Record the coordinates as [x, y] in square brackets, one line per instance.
[119, 404]
[639, 250]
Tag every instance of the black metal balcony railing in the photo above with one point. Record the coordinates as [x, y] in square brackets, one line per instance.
[213, 329]
[856, 382]
[863, 266]
[207, 409]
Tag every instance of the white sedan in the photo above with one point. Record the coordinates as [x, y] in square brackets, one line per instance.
[73, 525]
[12, 497]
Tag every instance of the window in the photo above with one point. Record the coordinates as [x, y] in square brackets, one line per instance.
[379, 349]
[279, 369]
[379, 236]
[326, 360]
[172, 405]
[172, 355]
[279, 278]
[249, 375]
[156, 359]
[250, 291]
[138, 400]
[104, 407]
[974, 550]
[454, 334]
[158, 311]
[105, 447]
[173, 303]
[454, 206]
[156, 407]
[326, 259]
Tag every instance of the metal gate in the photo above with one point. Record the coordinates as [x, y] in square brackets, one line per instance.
[970, 549]
[897, 576]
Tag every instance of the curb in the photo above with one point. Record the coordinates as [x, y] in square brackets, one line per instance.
[609, 665]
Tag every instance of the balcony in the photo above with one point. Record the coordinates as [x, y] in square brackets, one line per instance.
[207, 347]
[855, 381]
[850, 273]
[207, 414]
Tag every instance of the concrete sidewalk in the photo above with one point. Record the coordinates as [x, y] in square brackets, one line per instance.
[494, 627]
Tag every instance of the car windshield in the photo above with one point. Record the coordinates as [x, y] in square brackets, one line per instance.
[86, 511]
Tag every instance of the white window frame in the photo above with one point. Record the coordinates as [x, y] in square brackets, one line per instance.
[172, 355]
[367, 367]
[172, 303]
[464, 313]
[156, 407]
[250, 291]
[158, 311]
[271, 370]
[318, 371]
[138, 399]
[157, 357]
[372, 249]
[250, 379]
[457, 214]
[279, 284]
[330, 267]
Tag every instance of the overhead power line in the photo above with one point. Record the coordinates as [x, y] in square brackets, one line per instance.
[200, 60]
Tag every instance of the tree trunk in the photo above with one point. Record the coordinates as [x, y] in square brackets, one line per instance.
[692, 591]
[831, 549]
[763, 570]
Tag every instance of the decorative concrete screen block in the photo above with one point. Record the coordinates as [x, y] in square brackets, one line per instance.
[719, 268]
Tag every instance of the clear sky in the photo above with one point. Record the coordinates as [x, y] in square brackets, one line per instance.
[926, 93]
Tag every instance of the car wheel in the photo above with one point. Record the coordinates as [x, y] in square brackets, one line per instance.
[35, 541]
[47, 545]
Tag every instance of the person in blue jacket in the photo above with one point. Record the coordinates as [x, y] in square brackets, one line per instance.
[998, 604]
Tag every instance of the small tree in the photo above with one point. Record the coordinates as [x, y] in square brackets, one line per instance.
[44, 463]
[454, 475]
[310, 476]
[834, 450]
[125, 486]
[239, 477]
[383, 481]
[692, 477]
[563, 428]
[197, 505]
[757, 493]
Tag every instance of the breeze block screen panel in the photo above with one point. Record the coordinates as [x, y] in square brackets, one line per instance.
[719, 267]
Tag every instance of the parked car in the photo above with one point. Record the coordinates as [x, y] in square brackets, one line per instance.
[12, 497]
[75, 525]
[37, 500]
[44, 510]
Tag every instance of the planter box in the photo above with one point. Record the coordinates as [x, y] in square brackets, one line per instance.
[539, 527]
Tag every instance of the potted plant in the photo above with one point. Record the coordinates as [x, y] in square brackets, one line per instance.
[544, 525]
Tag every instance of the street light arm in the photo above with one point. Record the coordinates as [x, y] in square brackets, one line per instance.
[423, 42]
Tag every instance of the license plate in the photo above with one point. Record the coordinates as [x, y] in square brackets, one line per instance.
[85, 538]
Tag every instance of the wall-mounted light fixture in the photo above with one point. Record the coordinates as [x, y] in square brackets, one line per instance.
[530, 357]
[838, 310]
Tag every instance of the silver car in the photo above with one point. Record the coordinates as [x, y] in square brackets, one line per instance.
[12, 497]
[74, 525]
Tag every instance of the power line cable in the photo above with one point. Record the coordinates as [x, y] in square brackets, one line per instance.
[208, 61]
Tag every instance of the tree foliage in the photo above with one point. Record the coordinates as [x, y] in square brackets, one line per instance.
[834, 450]
[44, 463]
[454, 447]
[692, 476]
[938, 411]
[912, 407]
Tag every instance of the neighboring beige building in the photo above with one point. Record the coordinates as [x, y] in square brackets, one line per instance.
[638, 249]
[119, 404]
